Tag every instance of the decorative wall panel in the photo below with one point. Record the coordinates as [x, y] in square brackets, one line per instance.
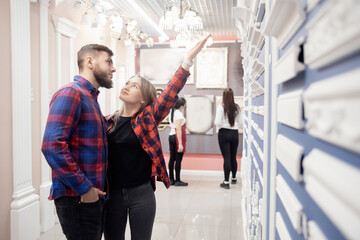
[199, 114]
[330, 108]
[333, 33]
[159, 65]
[335, 189]
[208, 76]
[285, 18]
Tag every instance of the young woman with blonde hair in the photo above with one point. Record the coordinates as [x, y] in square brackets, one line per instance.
[135, 154]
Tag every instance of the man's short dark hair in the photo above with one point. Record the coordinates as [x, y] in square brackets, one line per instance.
[93, 50]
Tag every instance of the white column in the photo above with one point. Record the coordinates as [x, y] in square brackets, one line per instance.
[69, 29]
[25, 208]
[47, 211]
[71, 58]
[58, 60]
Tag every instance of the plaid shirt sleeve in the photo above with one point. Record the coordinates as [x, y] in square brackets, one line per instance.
[63, 117]
[169, 96]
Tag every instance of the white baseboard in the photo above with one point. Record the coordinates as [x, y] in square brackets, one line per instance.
[47, 208]
[25, 218]
[202, 172]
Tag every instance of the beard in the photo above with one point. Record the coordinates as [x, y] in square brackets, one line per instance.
[102, 78]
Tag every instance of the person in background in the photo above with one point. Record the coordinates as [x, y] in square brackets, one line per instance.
[228, 120]
[177, 141]
[135, 154]
[76, 148]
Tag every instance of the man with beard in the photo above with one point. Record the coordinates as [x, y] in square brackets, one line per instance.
[76, 148]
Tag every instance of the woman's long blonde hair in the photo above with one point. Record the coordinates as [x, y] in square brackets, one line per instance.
[148, 92]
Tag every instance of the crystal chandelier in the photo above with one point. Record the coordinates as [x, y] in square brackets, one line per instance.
[181, 19]
[120, 28]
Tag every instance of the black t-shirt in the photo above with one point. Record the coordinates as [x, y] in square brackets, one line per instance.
[129, 165]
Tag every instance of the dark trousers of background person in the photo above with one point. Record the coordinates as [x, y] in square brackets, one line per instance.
[228, 142]
[139, 204]
[174, 156]
[80, 221]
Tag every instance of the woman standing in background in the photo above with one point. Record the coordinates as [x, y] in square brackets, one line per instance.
[228, 120]
[177, 141]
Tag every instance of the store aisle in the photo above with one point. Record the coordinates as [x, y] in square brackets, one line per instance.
[202, 210]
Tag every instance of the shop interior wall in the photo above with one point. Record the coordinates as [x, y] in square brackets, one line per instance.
[6, 170]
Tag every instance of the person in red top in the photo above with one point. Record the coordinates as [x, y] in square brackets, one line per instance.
[135, 154]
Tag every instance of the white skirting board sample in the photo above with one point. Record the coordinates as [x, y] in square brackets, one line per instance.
[281, 227]
[253, 53]
[258, 110]
[256, 166]
[285, 19]
[290, 110]
[334, 186]
[292, 205]
[331, 108]
[258, 130]
[241, 13]
[288, 66]
[254, 6]
[260, 12]
[256, 89]
[314, 231]
[333, 33]
[257, 69]
[289, 154]
[258, 149]
[311, 4]
[256, 38]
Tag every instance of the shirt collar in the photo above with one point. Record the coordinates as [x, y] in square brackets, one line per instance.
[87, 85]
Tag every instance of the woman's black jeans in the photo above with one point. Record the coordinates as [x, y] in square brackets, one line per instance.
[139, 204]
[228, 142]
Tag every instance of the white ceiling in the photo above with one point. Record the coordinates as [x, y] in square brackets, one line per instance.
[216, 14]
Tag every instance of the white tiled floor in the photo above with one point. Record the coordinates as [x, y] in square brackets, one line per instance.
[202, 210]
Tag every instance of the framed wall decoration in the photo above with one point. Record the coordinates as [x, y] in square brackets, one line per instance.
[158, 65]
[211, 68]
[239, 100]
[199, 114]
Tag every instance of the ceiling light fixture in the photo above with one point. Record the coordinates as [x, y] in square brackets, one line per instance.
[181, 18]
[148, 19]
[185, 22]
[120, 28]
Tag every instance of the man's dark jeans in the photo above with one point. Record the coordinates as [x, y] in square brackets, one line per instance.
[80, 221]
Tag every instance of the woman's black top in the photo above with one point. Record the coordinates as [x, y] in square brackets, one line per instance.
[129, 165]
